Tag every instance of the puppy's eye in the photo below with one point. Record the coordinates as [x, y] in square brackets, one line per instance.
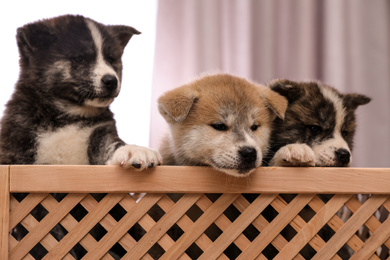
[315, 129]
[219, 126]
[110, 59]
[79, 58]
[344, 133]
[254, 127]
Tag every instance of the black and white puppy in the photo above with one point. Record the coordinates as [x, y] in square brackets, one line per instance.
[318, 127]
[70, 72]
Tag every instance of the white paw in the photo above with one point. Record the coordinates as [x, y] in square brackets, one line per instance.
[294, 155]
[135, 156]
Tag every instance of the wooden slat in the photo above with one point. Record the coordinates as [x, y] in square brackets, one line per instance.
[374, 241]
[334, 223]
[350, 227]
[298, 223]
[372, 223]
[44, 227]
[162, 226]
[4, 211]
[276, 226]
[166, 205]
[24, 208]
[122, 226]
[238, 226]
[260, 223]
[184, 179]
[200, 226]
[185, 223]
[84, 226]
[312, 227]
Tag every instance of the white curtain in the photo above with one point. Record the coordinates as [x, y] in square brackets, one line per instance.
[343, 43]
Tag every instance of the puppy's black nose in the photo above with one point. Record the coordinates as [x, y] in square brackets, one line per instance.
[110, 82]
[248, 154]
[343, 156]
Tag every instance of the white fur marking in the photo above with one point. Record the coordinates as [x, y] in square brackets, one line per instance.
[325, 151]
[338, 105]
[67, 145]
[102, 68]
[76, 110]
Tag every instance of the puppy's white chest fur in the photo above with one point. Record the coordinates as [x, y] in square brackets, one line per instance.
[66, 145]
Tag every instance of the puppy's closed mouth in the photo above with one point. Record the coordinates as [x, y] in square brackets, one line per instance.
[240, 170]
[105, 95]
[99, 101]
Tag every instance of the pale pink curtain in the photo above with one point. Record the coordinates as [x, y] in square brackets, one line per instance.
[343, 43]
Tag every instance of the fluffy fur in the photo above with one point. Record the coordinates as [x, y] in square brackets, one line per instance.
[221, 121]
[70, 72]
[318, 127]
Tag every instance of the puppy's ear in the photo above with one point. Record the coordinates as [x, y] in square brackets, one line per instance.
[275, 102]
[352, 101]
[287, 88]
[124, 33]
[176, 104]
[33, 37]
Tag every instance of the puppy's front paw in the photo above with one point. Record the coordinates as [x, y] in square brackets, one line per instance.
[135, 156]
[293, 155]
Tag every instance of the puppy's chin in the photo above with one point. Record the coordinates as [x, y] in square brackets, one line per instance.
[233, 168]
[99, 102]
[235, 172]
[332, 164]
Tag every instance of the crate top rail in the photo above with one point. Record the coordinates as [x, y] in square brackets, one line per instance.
[183, 179]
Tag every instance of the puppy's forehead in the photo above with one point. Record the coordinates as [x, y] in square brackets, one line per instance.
[67, 27]
[315, 106]
[244, 117]
[233, 102]
[72, 34]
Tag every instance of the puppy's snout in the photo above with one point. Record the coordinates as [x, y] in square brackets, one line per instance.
[248, 154]
[110, 82]
[343, 156]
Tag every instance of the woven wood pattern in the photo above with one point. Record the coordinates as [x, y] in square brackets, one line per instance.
[86, 212]
[198, 226]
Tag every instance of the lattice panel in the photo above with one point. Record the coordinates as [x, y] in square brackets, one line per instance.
[198, 226]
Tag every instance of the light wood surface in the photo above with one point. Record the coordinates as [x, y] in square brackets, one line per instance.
[4, 211]
[197, 184]
[198, 180]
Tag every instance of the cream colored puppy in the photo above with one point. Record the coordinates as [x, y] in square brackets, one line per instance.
[221, 121]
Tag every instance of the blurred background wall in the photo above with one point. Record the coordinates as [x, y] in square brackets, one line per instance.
[342, 43]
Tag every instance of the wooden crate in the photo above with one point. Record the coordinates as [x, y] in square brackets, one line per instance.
[194, 213]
